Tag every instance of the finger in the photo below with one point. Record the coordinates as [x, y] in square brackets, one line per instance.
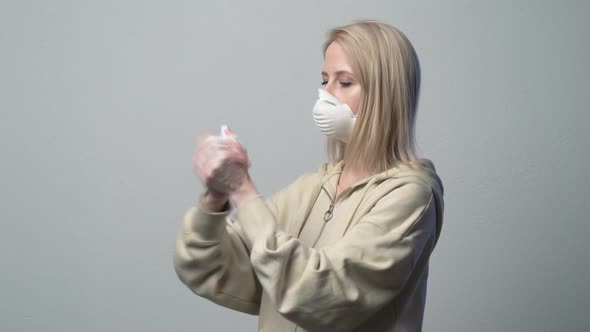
[233, 154]
[210, 145]
[197, 161]
[237, 150]
[228, 132]
[214, 161]
[203, 136]
[201, 165]
[205, 153]
[233, 145]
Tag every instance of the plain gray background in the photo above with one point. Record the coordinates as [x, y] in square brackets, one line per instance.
[101, 103]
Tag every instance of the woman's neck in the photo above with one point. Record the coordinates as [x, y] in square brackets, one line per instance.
[350, 175]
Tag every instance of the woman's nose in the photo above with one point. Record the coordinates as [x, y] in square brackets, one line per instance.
[329, 88]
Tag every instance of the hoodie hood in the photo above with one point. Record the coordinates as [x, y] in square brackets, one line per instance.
[424, 173]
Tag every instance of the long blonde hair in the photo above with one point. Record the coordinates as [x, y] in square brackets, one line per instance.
[387, 68]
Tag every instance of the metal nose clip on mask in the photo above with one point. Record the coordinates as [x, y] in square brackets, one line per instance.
[334, 118]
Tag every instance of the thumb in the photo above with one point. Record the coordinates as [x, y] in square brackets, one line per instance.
[229, 133]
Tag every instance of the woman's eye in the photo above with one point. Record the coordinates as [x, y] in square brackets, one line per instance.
[344, 84]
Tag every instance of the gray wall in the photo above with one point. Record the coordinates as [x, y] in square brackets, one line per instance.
[101, 103]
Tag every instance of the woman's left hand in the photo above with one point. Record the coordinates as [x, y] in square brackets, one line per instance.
[222, 165]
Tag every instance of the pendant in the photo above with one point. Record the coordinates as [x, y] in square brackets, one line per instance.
[328, 215]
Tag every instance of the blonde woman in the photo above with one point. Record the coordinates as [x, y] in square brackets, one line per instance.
[345, 248]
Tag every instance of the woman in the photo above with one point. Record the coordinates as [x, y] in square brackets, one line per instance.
[345, 248]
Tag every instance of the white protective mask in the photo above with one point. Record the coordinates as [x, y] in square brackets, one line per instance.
[334, 118]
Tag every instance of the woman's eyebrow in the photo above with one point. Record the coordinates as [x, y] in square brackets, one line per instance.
[338, 73]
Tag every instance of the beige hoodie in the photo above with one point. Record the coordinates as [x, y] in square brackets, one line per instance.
[363, 269]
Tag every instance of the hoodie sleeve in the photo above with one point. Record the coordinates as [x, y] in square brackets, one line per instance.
[212, 258]
[337, 287]
[212, 261]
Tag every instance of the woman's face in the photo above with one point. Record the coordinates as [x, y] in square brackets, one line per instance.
[338, 78]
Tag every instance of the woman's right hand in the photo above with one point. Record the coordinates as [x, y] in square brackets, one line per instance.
[214, 201]
[221, 165]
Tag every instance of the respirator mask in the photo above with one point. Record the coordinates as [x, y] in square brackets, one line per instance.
[334, 118]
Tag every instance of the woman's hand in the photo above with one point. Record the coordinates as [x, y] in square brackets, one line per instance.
[213, 201]
[222, 165]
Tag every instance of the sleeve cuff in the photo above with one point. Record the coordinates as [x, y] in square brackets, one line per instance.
[208, 225]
